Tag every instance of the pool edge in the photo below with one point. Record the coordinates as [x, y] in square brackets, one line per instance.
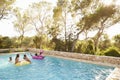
[115, 74]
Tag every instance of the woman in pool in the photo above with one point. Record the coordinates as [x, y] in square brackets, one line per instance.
[26, 58]
[17, 59]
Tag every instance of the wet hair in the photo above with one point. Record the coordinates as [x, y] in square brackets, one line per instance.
[35, 54]
[10, 58]
[17, 56]
[24, 56]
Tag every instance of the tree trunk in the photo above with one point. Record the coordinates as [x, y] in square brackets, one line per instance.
[73, 45]
[98, 35]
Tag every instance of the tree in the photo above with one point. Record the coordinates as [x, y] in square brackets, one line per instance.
[21, 23]
[27, 42]
[7, 43]
[104, 42]
[54, 30]
[5, 8]
[62, 18]
[105, 17]
[1, 41]
[117, 40]
[37, 41]
[89, 49]
[80, 9]
[41, 19]
[15, 43]
[94, 16]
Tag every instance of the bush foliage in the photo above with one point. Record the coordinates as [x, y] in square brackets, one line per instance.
[112, 51]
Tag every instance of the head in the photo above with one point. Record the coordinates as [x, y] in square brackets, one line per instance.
[35, 54]
[25, 56]
[10, 58]
[17, 55]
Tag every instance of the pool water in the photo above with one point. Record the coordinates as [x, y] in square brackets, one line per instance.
[51, 68]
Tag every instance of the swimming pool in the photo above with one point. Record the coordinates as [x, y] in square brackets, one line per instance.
[51, 68]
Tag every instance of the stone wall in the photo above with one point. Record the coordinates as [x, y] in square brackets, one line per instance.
[95, 58]
[12, 50]
[4, 50]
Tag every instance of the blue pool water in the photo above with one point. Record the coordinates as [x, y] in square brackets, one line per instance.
[51, 68]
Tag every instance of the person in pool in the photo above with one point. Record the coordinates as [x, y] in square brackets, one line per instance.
[35, 54]
[41, 52]
[10, 59]
[17, 59]
[26, 58]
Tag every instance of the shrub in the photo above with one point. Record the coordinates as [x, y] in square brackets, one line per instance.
[112, 51]
[89, 49]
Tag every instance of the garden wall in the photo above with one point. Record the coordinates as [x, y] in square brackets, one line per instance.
[12, 50]
[4, 50]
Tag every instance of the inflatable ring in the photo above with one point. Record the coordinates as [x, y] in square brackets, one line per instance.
[38, 57]
[22, 63]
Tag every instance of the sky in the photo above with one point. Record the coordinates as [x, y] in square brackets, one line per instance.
[7, 29]
[6, 26]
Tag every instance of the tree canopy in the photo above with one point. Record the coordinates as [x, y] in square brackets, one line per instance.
[5, 8]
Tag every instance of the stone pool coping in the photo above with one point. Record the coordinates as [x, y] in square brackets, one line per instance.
[115, 75]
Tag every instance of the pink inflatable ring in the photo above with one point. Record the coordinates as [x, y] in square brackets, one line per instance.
[38, 57]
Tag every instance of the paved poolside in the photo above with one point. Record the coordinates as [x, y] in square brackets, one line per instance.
[115, 75]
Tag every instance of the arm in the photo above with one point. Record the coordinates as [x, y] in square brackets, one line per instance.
[31, 54]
